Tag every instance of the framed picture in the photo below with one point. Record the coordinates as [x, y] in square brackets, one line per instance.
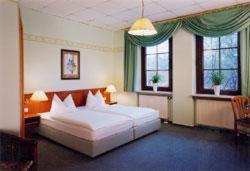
[70, 64]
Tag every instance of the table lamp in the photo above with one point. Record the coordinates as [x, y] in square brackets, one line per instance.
[37, 96]
[111, 89]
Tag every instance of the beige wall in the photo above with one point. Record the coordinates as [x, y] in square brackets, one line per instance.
[119, 59]
[46, 35]
[9, 68]
[183, 76]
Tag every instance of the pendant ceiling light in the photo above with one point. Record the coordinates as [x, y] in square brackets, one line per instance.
[142, 26]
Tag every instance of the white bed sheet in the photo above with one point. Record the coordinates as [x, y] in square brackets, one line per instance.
[104, 129]
[139, 115]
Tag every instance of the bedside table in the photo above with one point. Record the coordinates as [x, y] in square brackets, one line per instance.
[111, 103]
[31, 123]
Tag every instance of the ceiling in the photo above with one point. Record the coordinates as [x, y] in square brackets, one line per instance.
[119, 14]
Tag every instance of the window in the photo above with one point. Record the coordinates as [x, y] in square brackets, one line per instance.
[157, 59]
[218, 54]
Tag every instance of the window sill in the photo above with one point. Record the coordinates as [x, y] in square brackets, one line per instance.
[152, 93]
[212, 97]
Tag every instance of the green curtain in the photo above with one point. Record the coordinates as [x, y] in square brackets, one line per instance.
[130, 63]
[219, 24]
[245, 61]
[214, 24]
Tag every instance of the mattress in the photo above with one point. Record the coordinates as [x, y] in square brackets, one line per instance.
[101, 128]
[139, 115]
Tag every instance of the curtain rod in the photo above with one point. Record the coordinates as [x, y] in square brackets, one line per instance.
[247, 4]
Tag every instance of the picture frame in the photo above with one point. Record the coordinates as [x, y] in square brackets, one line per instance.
[70, 64]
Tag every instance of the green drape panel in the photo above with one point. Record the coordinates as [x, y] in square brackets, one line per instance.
[130, 63]
[245, 61]
[165, 31]
[219, 24]
[214, 24]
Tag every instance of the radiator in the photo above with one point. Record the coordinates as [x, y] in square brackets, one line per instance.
[214, 113]
[160, 103]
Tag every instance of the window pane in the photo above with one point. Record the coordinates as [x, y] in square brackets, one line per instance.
[207, 79]
[210, 43]
[157, 61]
[229, 58]
[229, 40]
[150, 74]
[163, 47]
[151, 62]
[151, 50]
[231, 80]
[220, 54]
[164, 75]
[163, 61]
[211, 59]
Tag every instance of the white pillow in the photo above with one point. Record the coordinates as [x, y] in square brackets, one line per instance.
[99, 99]
[58, 106]
[91, 100]
[69, 103]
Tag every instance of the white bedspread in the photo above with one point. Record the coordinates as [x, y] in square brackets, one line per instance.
[90, 119]
[139, 115]
[85, 133]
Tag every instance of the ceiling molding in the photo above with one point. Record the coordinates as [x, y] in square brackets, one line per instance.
[206, 12]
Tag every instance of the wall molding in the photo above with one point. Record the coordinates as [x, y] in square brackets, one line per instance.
[68, 43]
[14, 1]
[118, 49]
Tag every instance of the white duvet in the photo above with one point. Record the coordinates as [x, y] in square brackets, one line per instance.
[90, 119]
[139, 115]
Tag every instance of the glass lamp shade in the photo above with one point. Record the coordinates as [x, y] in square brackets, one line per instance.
[142, 27]
[39, 96]
[111, 89]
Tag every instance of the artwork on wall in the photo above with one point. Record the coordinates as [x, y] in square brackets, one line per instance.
[70, 64]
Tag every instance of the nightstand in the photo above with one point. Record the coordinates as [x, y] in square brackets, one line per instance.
[111, 103]
[31, 123]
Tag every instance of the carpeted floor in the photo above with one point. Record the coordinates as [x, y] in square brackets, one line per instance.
[171, 148]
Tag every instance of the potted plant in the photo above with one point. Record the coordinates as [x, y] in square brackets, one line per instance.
[155, 80]
[217, 79]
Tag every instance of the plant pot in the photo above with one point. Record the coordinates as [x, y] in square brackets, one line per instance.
[217, 90]
[155, 87]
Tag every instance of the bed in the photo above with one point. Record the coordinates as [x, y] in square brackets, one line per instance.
[87, 131]
[145, 120]
[133, 123]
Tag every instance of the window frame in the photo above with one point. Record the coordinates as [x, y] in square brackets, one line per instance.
[143, 69]
[200, 68]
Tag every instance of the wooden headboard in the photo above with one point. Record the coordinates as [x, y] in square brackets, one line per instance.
[79, 97]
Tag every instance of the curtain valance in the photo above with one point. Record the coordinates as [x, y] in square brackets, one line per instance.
[219, 24]
[214, 24]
